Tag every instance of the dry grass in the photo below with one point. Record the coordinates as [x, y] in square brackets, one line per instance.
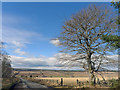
[69, 78]
[72, 81]
[63, 73]
[68, 82]
[8, 82]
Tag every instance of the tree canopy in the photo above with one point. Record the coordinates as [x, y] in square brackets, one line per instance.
[83, 32]
[83, 36]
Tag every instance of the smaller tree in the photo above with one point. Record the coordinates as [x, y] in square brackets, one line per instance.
[114, 40]
[5, 62]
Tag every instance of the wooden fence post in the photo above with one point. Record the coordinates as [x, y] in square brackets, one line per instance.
[61, 82]
[79, 84]
[77, 81]
[57, 81]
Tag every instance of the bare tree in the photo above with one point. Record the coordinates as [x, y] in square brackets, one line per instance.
[82, 35]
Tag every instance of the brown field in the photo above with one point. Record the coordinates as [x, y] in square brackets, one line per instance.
[68, 82]
[53, 78]
[73, 79]
[63, 74]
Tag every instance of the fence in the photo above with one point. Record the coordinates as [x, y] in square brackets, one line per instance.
[50, 81]
[61, 82]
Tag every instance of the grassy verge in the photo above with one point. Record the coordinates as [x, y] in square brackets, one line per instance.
[113, 83]
[8, 82]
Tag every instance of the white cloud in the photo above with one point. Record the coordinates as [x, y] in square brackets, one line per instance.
[19, 37]
[43, 62]
[18, 51]
[55, 42]
[38, 63]
[17, 44]
[33, 62]
[70, 62]
[115, 57]
[12, 31]
[15, 36]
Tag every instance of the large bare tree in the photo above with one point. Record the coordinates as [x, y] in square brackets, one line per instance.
[82, 35]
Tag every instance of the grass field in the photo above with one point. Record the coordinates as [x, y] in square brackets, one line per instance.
[63, 74]
[67, 82]
[70, 81]
[53, 78]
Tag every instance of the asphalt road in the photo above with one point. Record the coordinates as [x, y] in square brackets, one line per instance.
[28, 85]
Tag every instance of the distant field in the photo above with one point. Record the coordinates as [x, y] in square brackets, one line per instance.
[72, 79]
[63, 74]
[53, 78]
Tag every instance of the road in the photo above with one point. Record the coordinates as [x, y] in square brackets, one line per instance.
[28, 85]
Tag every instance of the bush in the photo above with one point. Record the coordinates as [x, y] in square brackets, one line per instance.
[114, 83]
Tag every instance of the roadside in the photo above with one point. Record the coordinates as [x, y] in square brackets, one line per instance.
[8, 82]
[28, 85]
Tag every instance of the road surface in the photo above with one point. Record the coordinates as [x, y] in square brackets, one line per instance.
[28, 85]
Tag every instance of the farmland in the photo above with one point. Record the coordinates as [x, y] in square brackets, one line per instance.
[75, 79]
[61, 73]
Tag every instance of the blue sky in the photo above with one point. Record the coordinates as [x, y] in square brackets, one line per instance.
[45, 19]
[29, 27]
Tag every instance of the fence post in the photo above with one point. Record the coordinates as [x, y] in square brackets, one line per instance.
[77, 81]
[83, 84]
[61, 81]
[79, 84]
[57, 81]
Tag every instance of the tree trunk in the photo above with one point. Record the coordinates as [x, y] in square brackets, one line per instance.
[90, 73]
[90, 70]
[92, 78]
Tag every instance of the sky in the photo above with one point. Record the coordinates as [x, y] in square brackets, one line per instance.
[29, 27]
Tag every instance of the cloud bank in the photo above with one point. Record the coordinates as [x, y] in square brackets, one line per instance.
[43, 62]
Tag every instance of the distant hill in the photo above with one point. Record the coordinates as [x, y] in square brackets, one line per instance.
[27, 69]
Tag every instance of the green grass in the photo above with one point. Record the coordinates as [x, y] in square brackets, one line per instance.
[114, 83]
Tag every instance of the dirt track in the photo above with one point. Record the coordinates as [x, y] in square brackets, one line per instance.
[28, 85]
